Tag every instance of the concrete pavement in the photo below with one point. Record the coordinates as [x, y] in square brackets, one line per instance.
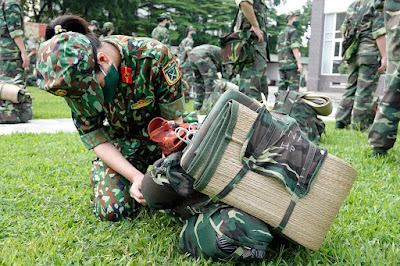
[66, 124]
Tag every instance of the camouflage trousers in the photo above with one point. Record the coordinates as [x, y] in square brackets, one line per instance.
[212, 230]
[187, 75]
[289, 80]
[11, 68]
[253, 77]
[112, 201]
[382, 134]
[356, 106]
[205, 76]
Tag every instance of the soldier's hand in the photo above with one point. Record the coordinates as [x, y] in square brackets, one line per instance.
[259, 33]
[382, 68]
[299, 68]
[135, 190]
[25, 60]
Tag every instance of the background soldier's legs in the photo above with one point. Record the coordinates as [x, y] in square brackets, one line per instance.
[253, 77]
[345, 108]
[368, 77]
[289, 80]
[11, 68]
[382, 135]
[187, 73]
[198, 87]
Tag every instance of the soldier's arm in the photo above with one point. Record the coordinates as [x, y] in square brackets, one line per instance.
[379, 34]
[294, 45]
[296, 54]
[13, 16]
[381, 43]
[24, 55]
[248, 12]
[114, 159]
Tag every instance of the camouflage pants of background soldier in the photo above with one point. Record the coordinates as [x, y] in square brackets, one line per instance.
[187, 72]
[382, 135]
[289, 80]
[356, 106]
[112, 201]
[205, 75]
[11, 67]
[253, 77]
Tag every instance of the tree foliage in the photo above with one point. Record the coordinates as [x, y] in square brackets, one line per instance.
[211, 18]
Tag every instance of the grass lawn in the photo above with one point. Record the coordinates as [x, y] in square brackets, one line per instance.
[47, 218]
[46, 105]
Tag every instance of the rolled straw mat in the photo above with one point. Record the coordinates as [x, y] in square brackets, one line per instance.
[267, 199]
[9, 92]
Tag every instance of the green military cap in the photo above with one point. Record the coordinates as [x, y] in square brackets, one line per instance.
[108, 26]
[190, 28]
[66, 67]
[166, 15]
[94, 23]
[292, 14]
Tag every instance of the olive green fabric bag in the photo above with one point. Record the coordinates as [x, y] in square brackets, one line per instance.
[213, 230]
[305, 111]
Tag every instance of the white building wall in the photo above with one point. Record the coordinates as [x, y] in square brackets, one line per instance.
[336, 6]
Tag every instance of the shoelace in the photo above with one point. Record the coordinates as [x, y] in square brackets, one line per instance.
[189, 133]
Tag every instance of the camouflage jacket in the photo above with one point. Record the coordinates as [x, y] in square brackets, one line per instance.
[11, 26]
[209, 51]
[185, 45]
[161, 34]
[260, 10]
[288, 39]
[149, 86]
[392, 18]
[371, 25]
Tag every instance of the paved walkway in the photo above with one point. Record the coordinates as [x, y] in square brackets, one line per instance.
[66, 124]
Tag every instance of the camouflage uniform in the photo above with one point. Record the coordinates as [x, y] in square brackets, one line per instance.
[11, 26]
[356, 106]
[206, 61]
[288, 39]
[184, 64]
[253, 77]
[382, 135]
[149, 87]
[161, 34]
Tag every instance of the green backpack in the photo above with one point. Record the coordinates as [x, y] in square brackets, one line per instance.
[294, 104]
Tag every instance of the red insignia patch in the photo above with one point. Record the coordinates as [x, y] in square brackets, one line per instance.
[126, 75]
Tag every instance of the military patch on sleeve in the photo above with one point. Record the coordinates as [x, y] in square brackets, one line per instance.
[171, 72]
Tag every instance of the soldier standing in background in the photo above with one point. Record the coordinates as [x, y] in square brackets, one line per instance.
[94, 27]
[253, 77]
[108, 29]
[290, 66]
[13, 55]
[160, 33]
[356, 106]
[185, 47]
[206, 61]
[382, 135]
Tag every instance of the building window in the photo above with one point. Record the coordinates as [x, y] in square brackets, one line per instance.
[332, 45]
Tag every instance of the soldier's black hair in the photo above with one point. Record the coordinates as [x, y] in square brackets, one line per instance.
[76, 24]
[160, 19]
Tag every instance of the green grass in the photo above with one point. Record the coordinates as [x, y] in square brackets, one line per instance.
[47, 219]
[48, 106]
